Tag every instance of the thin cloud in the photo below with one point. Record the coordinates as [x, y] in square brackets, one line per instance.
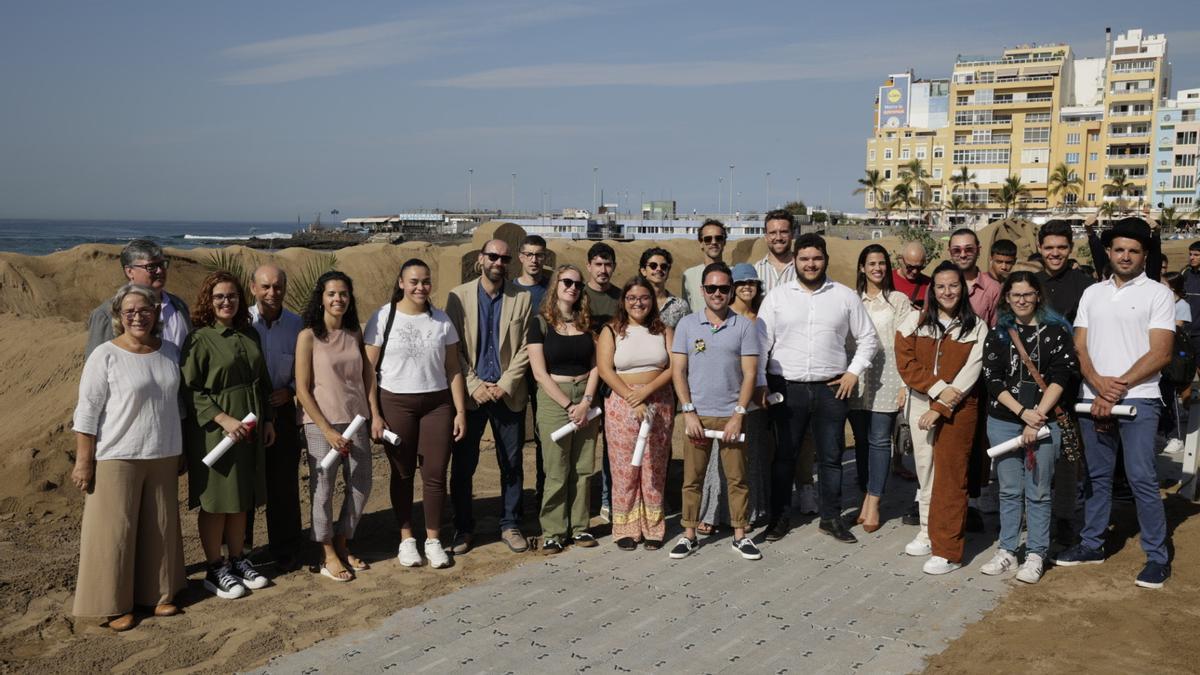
[335, 52]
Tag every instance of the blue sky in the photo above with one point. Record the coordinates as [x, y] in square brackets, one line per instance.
[265, 110]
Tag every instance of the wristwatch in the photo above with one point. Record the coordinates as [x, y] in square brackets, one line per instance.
[739, 410]
[689, 407]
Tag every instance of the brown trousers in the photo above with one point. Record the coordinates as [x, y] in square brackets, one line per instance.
[425, 424]
[695, 464]
[951, 459]
[130, 550]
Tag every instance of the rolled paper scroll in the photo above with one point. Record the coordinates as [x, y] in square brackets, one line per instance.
[774, 398]
[1117, 410]
[331, 457]
[639, 448]
[250, 420]
[709, 433]
[570, 427]
[1015, 443]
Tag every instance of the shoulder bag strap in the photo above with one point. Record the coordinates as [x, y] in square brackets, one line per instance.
[387, 333]
[1033, 371]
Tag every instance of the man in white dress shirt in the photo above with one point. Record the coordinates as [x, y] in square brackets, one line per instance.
[807, 322]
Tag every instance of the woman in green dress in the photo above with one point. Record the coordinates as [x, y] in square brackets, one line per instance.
[224, 378]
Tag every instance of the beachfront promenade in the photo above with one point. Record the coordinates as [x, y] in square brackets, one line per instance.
[810, 605]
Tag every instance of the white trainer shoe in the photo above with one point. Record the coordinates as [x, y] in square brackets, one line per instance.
[939, 565]
[1031, 570]
[436, 554]
[409, 557]
[919, 546]
[1000, 563]
[806, 498]
[1174, 446]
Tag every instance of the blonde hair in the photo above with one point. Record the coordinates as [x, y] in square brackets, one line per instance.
[147, 294]
[549, 310]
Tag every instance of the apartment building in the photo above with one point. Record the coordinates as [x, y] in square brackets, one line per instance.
[1175, 181]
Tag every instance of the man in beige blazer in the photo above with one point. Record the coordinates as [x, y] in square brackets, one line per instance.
[492, 319]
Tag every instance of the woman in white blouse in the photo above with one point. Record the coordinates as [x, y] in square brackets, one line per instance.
[128, 446]
[880, 394]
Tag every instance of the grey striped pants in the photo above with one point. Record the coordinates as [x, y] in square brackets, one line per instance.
[356, 473]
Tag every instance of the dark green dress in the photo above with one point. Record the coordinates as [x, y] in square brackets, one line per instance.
[224, 371]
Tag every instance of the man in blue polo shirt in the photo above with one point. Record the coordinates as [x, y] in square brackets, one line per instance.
[715, 362]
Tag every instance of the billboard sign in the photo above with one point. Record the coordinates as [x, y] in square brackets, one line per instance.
[894, 102]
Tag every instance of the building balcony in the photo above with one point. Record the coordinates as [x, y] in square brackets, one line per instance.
[1130, 113]
[1129, 134]
[1003, 140]
[1131, 157]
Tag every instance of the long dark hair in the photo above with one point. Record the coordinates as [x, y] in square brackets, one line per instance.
[963, 312]
[1007, 319]
[620, 320]
[861, 281]
[314, 311]
[398, 289]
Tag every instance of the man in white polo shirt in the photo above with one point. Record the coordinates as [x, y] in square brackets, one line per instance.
[1124, 333]
[807, 322]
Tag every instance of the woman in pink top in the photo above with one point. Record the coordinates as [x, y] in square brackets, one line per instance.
[333, 377]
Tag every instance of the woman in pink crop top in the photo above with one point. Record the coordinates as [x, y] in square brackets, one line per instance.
[632, 357]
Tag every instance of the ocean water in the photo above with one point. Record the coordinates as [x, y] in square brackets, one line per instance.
[39, 237]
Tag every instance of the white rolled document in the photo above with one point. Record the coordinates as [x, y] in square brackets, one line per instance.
[390, 437]
[1014, 443]
[774, 398]
[709, 433]
[331, 457]
[1117, 410]
[639, 448]
[250, 420]
[570, 427]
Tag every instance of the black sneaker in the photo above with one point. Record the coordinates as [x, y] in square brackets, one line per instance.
[747, 549]
[242, 567]
[683, 548]
[912, 516]
[1153, 575]
[974, 520]
[551, 546]
[221, 582]
[835, 528]
[779, 529]
[1079, 555]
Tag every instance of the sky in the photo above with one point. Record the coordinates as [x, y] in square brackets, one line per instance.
[273, 110]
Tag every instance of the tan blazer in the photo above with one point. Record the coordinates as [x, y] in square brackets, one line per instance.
[462, 306]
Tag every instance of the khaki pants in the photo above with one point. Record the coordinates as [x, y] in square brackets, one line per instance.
[695, 465]
[569, 464]
[130, 551]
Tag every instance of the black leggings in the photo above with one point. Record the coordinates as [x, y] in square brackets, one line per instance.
[425, 425]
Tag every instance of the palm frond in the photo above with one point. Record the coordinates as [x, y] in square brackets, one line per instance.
[301, 283]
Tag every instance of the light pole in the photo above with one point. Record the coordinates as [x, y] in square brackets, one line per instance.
[470, 177]
[731, 190]
[595, 178]
[720, 186]
[513, 205]
[797, 189]
[768, 193]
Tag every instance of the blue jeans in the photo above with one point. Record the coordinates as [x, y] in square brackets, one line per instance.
[805, 404]
[1100, 449]
[1016, 482]
[508, 430]
[872, 448]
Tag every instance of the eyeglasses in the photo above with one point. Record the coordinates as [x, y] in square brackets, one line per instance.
[913, 268]
[504, 259]
[222, 297]
[637, 299]
[713, 239]
[655, 266]
[571, 283]
[1023, 297]
[153, 266]
[957, 250]
[713, 289]
[143, 313]
[534, 256]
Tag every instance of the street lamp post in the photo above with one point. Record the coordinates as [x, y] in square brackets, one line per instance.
[768, 208]
[513, 201]
[595, 178]
[797, 188]
[470, 177]
[720, 186]
[731, 211]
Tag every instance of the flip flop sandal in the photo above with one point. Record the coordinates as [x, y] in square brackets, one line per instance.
[362, 565]
[705, 529]
[325, 572]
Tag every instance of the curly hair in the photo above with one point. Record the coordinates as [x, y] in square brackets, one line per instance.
[203, 313]
[314, 311]
[147, 294]
[620, 320]
[549, 309]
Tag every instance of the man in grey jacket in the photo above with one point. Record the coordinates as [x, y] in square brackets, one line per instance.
[144, 263]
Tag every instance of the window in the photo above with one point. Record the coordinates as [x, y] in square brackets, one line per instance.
[1185, 160]
[1094, 138]
[887, 153]
[1091, 196]
[937, 172]
[997, 156]
[891, 134]
[1071, 198]
[922, 152]
[904, 153]
[1073, 139]
[1037, 118]
[937, 196]
[871, 155]
[1072, 158]
[1037, 134]
[887, 174]
[938, 152]
[1093, 156]
[1185, 182]
[1091, 176]
[964, 100]
[1035, 156]
[1185, 138]
[908, 134]
[1187, 116]
[1181, 201]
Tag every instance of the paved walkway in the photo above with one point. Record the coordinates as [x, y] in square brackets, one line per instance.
[810, 605]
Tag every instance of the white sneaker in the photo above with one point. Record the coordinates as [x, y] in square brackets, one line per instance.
[806, 498]
[1031, 570]
[939, 565]
[919, 546]
[1174, 446]
[409, 557]
[1000, 563]
[435, 553]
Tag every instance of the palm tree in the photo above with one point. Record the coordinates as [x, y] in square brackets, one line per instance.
[872, 185]
[1011, 192]
[1120, 186]
[962, 178]
[1106, 210]
[902, 195]
[914, 173]
[956, 203]
[1169, 219]
[1063, 181]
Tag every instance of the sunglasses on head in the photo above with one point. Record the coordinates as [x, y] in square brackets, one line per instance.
[713, 289]
[571, 283]
[713, 239]
[496, 256]
[655, 266]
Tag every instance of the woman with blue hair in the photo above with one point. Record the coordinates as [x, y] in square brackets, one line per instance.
[1029, 360]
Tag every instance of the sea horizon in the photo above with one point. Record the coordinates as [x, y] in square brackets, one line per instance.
[42, 236]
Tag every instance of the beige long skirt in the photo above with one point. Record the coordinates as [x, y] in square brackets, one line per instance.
[131, 551]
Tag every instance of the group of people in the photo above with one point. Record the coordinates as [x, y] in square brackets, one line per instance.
[766, 363]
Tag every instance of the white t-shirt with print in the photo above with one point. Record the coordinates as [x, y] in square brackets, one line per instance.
[415, 359]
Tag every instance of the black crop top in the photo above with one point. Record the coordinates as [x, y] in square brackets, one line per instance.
[570, 355]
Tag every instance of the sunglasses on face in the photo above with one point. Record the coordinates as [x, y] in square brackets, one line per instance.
[571, 283]
[655, 266]
[494, 257]
[154, 266]
[714, 289]
[713, 239]
[913, 268]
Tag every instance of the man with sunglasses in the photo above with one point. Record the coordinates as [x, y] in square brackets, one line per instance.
[714, 363]
[532, 254]
[143, 263]
[492, 319]
[908, 277]
[712, 239]
[808, 322]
